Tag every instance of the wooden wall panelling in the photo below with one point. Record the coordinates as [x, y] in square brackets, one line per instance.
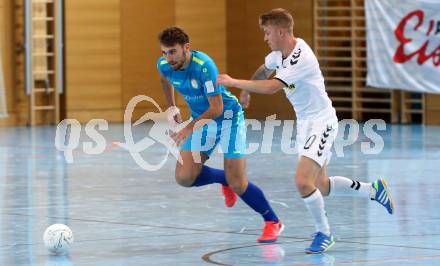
[141, 22]
[334, 49]
[247, 49]
[21, 99]
[4, 54]
[205, 23]
[7, 49]
[368, 102]
[432, 109]
[254, 50]
[341, 49]
[236, 36]
[93, 60]
[413, 107]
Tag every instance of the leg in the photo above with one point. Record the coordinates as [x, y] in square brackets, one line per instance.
[187, 172]
[339, 186]
[322, 182]
[253, 197]
[251, 194]
[235, 174]
[193, 174]
[307, 173]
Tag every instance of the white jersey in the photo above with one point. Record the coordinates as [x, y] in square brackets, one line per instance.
[304, 82]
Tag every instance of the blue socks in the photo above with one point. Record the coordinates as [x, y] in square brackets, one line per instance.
[254, 197]
[210, 175]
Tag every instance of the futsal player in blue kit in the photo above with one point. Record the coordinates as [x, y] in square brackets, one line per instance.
[193, 74]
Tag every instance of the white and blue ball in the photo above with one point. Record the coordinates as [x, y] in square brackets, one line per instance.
[58, 238]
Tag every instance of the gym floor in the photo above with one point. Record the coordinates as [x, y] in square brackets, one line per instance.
[121, 214]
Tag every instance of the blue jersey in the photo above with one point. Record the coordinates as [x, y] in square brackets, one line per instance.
[197, 82]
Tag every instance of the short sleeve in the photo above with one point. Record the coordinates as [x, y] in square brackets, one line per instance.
[209, 77]
[161, 65]
[270, 61]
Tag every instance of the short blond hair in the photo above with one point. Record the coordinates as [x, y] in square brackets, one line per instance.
[277, 17]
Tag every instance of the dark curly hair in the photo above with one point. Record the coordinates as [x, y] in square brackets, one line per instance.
[173, 35]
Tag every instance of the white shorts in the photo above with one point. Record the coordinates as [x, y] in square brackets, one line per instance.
[315, 139]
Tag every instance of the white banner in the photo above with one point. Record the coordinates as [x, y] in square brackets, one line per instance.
[403, 44]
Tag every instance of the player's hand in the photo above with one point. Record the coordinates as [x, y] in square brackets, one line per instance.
[180, 136]
[173, 116]
[245, 99]
[178, 118]
[225, 80]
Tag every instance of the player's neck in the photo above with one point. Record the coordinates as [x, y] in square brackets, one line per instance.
[288, 48]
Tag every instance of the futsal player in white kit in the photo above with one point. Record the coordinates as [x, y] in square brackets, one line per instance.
[297, 72]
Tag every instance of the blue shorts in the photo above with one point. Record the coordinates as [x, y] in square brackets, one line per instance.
[229, 133]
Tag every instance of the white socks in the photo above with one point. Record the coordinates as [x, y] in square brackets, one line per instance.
[315, 205]
[342, 186]
[339, 186]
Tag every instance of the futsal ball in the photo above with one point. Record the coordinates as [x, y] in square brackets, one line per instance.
[58, 238]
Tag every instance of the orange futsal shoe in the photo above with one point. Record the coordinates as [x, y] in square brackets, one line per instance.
[230, 196]
[271, 232]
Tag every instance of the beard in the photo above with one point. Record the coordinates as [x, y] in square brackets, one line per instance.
[179, 65]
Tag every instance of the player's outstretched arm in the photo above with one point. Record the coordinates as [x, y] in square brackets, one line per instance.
[268, 86]
[215, 110]
[261, 73]
[168, 90]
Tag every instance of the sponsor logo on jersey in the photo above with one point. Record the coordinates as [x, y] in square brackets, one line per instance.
[209, 86]
[291, 87]
[295, 57]
[194, 84]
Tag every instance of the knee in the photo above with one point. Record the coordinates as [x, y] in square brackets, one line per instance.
[303, 185]
[323, 185]
[238, 185]
[184, 179]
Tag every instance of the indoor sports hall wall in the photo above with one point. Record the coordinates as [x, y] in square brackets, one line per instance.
[93, 60]
[247, 49]
[140, 48]
[7, 58]
[111, 55]
[433, 109]
[111, 51]
[227, 30]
